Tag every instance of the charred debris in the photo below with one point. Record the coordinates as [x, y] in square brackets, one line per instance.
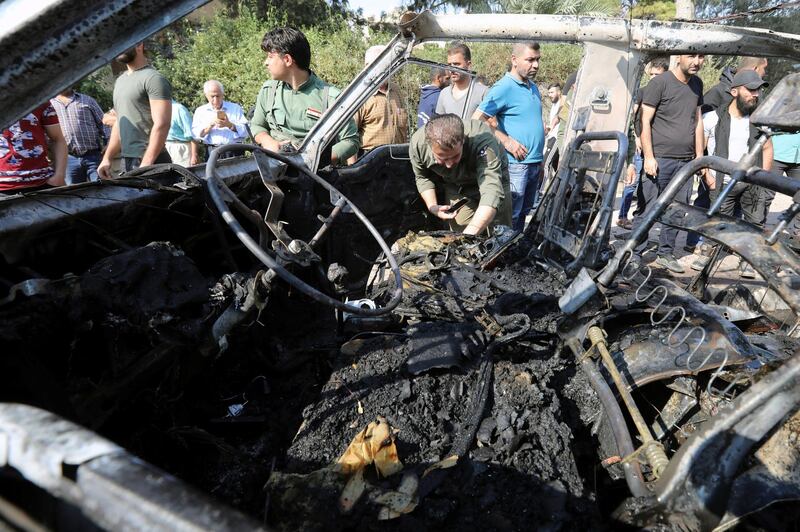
[304, 375]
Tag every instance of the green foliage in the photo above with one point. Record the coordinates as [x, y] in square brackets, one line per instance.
[296, 13]
[100, 86]
[654, 9]
[560, 7]
[229, 49]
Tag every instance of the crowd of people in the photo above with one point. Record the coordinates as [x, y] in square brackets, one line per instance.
[477, 155]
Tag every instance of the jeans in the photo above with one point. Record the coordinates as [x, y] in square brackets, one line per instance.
[83, 168]
[524, 190]
[651, 188]
[629, 190]
[702, 200]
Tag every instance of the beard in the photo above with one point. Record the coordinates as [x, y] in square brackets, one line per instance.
[127, 56]
[745, 107]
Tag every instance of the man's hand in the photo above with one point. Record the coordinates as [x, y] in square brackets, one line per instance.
[709, 178]
[650, 166]
[515, 148]
[57, 180]
[440, 211]
[104, 169]
[630, 176]
[193, 160]
[273, 145]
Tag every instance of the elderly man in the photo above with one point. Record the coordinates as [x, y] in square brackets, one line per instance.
[466, 161]
[218, 122]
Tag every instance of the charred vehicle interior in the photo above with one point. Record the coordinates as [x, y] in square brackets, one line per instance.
[235, 345]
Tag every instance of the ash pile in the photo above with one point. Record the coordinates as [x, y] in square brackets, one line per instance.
[484, 413]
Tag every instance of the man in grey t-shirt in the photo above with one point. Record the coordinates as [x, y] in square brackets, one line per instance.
[143, 103]
[453, 99]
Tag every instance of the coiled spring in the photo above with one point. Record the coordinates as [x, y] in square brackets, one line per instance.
[629, 273]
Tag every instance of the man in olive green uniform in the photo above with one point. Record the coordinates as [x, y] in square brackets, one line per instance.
[294, 99]
[466, 160]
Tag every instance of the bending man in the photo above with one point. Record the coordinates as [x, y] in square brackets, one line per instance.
[466, 161]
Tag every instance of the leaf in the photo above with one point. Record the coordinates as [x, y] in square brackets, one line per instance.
[445, 463]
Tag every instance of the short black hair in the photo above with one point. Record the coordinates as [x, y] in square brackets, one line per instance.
[660, 61]
[555, 85]
[288, 40]
[458, 47]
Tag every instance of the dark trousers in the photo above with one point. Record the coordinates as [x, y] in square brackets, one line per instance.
[650, 188]
[750, 198]
[703, 200]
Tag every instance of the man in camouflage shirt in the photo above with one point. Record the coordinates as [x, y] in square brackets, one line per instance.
[294, 99]
[466, 161]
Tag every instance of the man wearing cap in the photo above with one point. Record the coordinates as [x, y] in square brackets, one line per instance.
[729, 134]
[465, 160]
[382, 119]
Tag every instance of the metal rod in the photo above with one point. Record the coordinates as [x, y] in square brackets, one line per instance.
[652, 449]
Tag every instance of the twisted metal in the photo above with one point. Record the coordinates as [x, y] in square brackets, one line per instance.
[629, 273]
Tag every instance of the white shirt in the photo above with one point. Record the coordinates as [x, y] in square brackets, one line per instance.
[554, 109]
[205, 115]
[737, 142]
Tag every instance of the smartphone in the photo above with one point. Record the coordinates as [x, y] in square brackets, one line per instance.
[221, 115]
[457, 205]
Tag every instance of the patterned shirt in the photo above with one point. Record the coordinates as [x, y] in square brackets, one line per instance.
[82, 123]
[23, 150]
[382, 120]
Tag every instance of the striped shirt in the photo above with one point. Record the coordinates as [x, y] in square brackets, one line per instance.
[82, 123]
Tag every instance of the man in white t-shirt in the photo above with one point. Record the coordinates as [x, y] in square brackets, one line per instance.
[728, 134]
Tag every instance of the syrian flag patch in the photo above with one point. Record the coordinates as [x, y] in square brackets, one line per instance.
[313, 114]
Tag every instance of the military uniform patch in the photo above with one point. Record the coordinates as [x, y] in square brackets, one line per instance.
[488, 154]
[312, 113]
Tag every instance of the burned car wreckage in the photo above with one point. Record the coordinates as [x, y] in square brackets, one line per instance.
[234, 345]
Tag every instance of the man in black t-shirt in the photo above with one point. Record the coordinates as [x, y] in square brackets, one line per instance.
[672, 135]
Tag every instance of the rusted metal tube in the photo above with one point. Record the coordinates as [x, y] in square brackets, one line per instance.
[653, 450]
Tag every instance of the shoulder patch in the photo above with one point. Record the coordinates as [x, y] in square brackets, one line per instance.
[488, 154]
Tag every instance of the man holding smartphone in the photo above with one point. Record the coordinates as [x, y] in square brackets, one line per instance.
[218, 122]
[465, 160]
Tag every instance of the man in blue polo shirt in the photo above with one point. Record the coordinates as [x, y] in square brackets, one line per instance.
[517, 105]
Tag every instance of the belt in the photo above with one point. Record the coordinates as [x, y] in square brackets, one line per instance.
[84, 154]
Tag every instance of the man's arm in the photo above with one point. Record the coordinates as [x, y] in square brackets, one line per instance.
[259, 126]
[650, 164]
[97, 114]
[193, 153]
[509, 143]
[440, 211]
[483, 216]
[59, 154]
[699, 136]
[238, 122]
[348, 144]
[767, 156]
[161, 111]
[112, 150]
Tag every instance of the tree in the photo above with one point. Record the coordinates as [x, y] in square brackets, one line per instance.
[560, 7]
